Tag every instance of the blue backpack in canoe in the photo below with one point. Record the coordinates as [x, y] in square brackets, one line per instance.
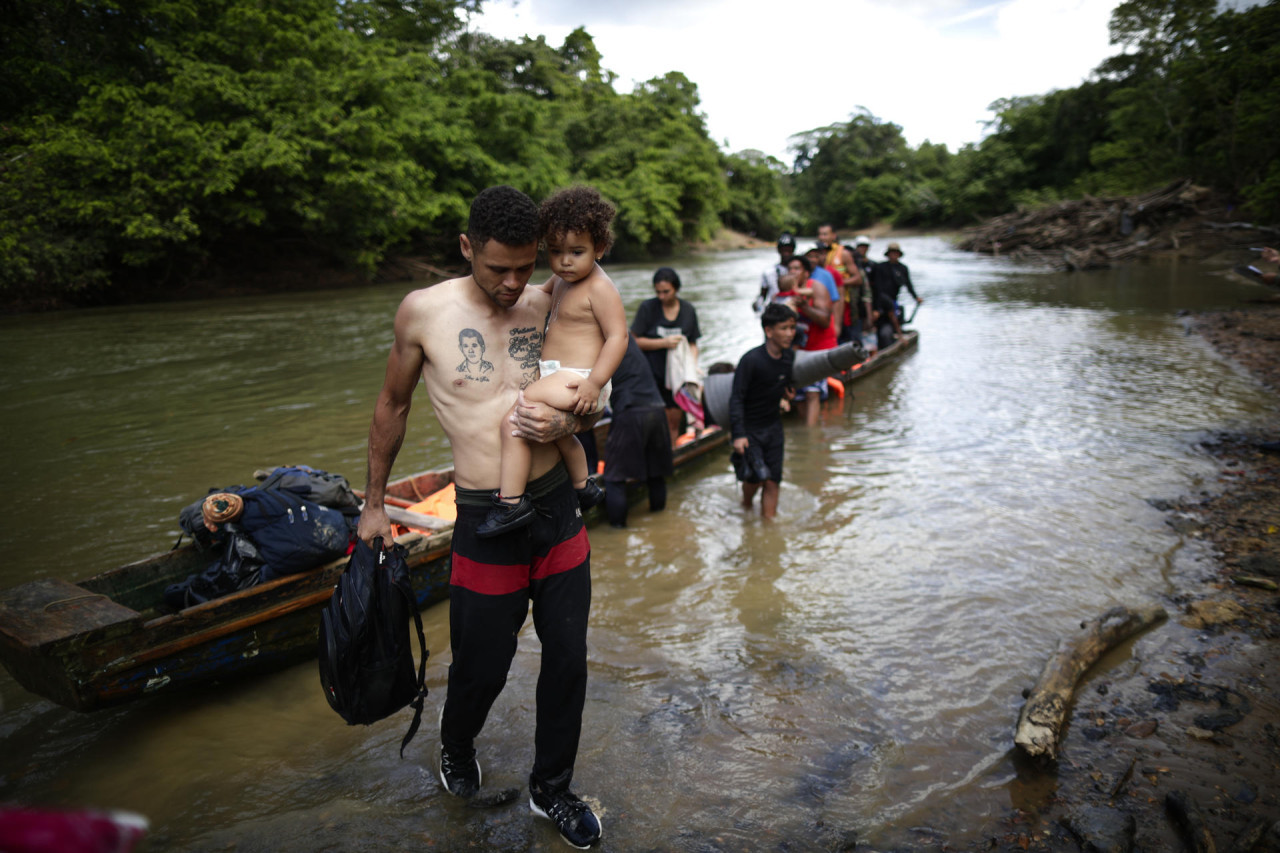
[292, 534]
[298, 519]
[317, 486]
[366, 654]
[303, 481]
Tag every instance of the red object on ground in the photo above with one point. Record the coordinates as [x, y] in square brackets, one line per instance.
[24, 830]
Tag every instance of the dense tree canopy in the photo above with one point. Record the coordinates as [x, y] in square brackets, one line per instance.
[1192, 93]
[157, 140]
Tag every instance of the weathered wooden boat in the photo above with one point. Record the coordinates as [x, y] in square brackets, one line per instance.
[842, 362]
[882, 358]
[107, 639]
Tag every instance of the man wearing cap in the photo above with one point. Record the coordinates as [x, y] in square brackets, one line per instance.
[769, 279]
[860, 246]
[865, 312]
[821, 272]
[887, 280]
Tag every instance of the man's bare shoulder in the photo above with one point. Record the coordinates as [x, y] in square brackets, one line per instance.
[422, 310]
[425, 298]
[428, 304]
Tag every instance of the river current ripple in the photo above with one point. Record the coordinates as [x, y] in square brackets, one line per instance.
[852, 669]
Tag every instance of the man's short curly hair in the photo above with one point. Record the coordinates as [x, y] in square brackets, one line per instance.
[504, 214]
[578, 209]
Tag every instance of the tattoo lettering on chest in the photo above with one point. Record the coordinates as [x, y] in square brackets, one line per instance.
[525, 348]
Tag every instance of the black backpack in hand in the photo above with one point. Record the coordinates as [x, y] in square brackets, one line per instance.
[366, 653]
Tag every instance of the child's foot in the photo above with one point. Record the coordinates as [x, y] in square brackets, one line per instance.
[505, 516]
[589, 495]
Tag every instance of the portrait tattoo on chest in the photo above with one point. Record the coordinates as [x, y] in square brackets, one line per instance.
[525, 348]
[473, 366]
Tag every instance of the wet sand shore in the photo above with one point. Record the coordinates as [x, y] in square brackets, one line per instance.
[1178, 740]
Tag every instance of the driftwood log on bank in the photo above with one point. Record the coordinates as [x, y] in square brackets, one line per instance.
[1093, 233]
[1045, 712]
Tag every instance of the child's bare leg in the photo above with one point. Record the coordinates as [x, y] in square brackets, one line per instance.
[769, 499]
[516, 459]
[575, 460]
[517, 456]
[514, 509]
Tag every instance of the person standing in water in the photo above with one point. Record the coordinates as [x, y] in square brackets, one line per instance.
[492, 582]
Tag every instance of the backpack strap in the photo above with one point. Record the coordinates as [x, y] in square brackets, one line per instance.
[418, 700]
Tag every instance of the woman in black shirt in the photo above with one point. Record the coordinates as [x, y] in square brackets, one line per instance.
[659, 326]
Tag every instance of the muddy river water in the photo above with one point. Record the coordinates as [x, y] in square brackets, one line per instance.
[852, 670]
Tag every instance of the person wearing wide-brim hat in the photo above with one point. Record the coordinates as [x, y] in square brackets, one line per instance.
[887, 280]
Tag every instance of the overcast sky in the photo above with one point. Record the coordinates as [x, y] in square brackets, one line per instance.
[767, 70]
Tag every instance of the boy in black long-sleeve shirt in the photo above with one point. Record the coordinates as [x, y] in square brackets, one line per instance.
[760, 382]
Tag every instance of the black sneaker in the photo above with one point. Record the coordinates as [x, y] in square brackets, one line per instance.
[505, 517]
[460, 773]
[589, 495]
[578, 825]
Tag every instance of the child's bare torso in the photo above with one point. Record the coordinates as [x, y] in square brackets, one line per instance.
[574, 336]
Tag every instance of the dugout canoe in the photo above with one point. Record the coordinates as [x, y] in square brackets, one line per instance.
[107, 639]
[718, 388]
[882, 358]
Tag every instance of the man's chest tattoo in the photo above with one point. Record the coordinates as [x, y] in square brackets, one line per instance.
[525, 348]
[474, 366]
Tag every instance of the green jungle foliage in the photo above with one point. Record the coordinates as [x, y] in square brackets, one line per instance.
[154, 140]
[1193, 94]
[148, 142]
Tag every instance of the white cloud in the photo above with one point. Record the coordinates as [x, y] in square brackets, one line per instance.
[930, 66]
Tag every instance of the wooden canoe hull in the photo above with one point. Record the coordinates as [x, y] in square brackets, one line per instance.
[86, 666]
[891, 354]
[104, 641]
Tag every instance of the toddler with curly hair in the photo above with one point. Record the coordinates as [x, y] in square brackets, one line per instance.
[585, 339]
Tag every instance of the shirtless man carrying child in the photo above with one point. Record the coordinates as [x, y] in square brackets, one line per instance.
[493, 581]
[586, 338]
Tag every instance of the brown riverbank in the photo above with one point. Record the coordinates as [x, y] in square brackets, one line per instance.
[1099, 232]
[1192, 708]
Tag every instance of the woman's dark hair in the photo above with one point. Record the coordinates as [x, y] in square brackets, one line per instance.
[808, 267]
[669, 275]
[775, 313]
[504, 214]
[578, 209]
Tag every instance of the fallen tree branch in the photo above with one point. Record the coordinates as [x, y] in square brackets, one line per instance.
[1247, 226]
[1045, 711]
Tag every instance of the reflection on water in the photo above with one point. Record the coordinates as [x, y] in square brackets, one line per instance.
[852, 669]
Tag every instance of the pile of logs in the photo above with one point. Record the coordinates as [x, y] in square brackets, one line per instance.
[1092, 233]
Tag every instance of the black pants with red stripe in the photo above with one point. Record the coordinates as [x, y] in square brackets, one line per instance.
[492, 583]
